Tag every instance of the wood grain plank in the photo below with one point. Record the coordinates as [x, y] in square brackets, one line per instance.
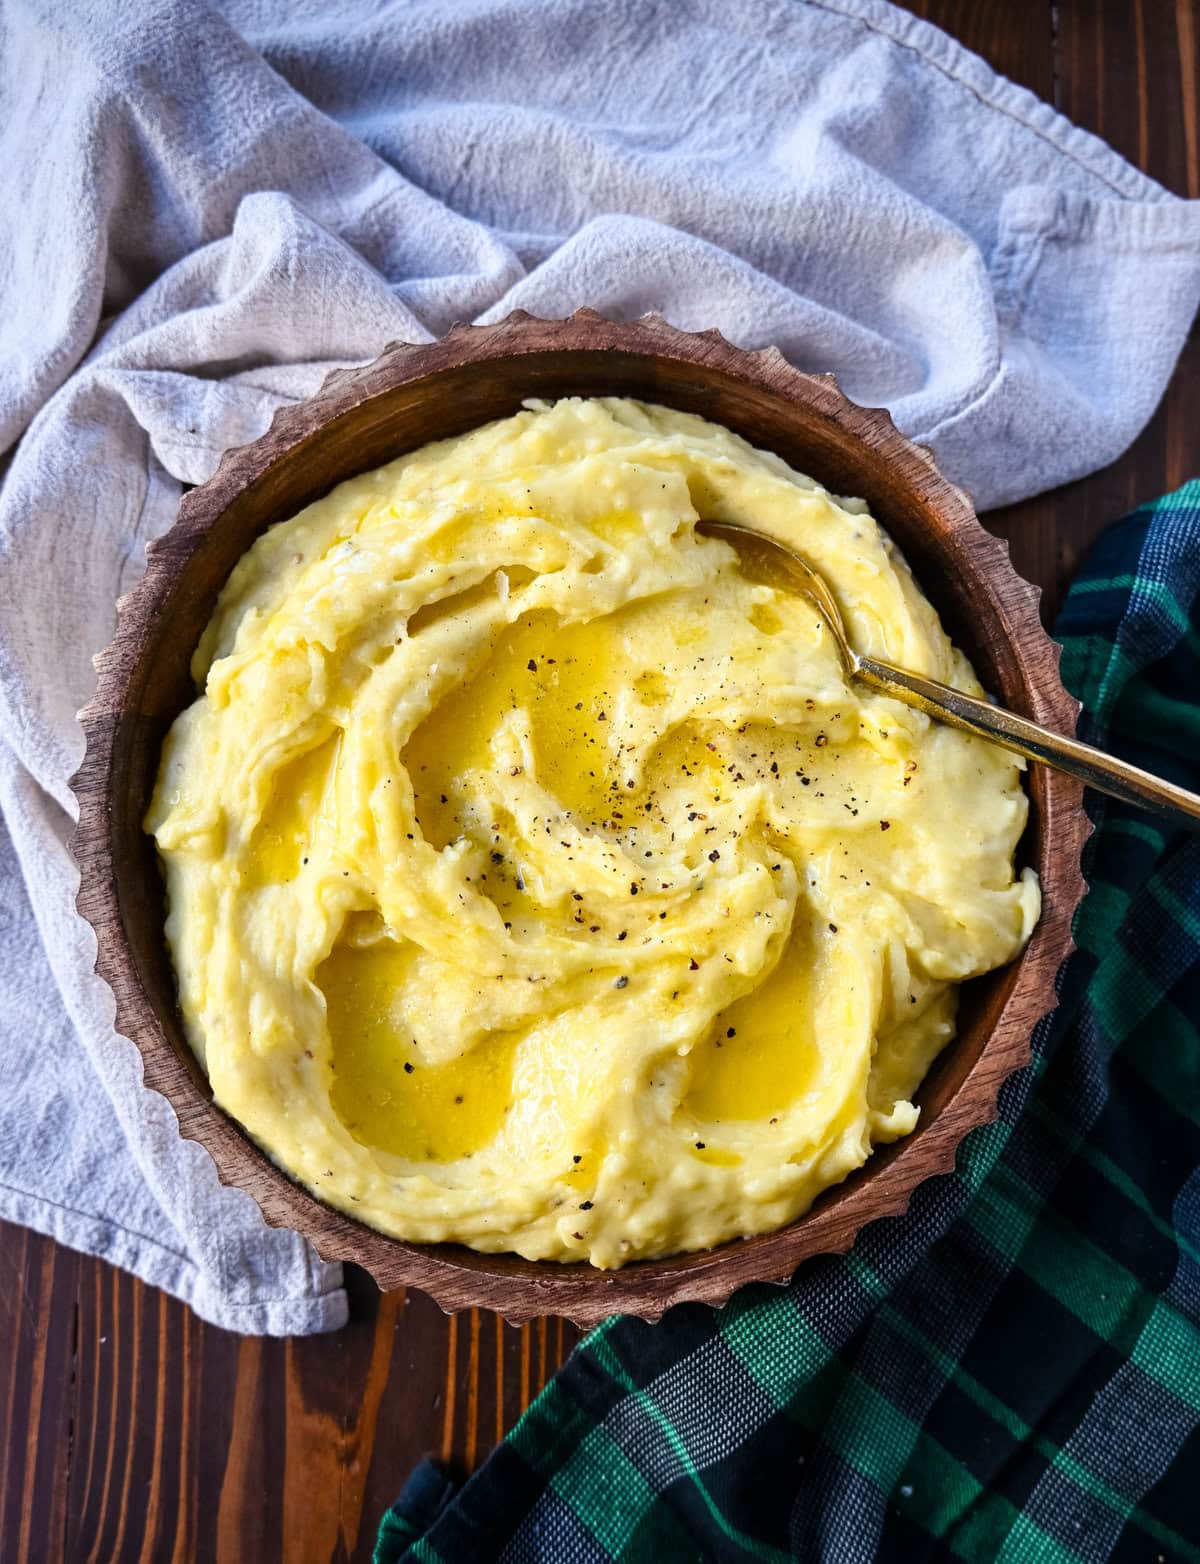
[211, 1364]
[526, 1331]
[500, 1423]
[1189, 71]
[472, 1415]
[1013, 36]
[156, 1497]
[314, 1430]
[98, 1539]
[85, 1452]
[359, 1441]
[333, 1387]
[451, 1388]
[38, 1318]
[117, 1507]
[1128, 72]
[179, 1540]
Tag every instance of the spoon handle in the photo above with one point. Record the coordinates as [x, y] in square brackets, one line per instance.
[1091, 766]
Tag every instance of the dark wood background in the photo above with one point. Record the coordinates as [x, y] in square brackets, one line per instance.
[134, 1432]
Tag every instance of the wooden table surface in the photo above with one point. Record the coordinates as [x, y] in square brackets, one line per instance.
[133, 1431]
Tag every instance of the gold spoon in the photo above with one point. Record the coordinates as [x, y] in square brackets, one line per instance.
[774, 564]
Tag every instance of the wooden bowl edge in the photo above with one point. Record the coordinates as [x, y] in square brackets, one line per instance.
[715, 1275]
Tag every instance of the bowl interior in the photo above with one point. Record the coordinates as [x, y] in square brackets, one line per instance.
[450, 400]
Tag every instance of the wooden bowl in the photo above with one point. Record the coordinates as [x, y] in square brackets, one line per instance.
[413, 394]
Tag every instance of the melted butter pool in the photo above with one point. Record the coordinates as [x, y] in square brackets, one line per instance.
[565, 679]
[384, 1092]
[761, 1054]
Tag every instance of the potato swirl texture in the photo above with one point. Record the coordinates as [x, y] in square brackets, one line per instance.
[536, 881]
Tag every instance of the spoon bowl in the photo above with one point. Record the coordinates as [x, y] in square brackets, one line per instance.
[763, 558]
[773, 564]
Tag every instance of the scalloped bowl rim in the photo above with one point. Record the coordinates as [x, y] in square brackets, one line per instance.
[455, 1277]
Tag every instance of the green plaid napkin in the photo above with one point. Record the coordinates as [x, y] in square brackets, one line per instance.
[1011, 1371]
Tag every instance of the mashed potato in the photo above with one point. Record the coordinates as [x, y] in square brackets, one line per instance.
[536, 880]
